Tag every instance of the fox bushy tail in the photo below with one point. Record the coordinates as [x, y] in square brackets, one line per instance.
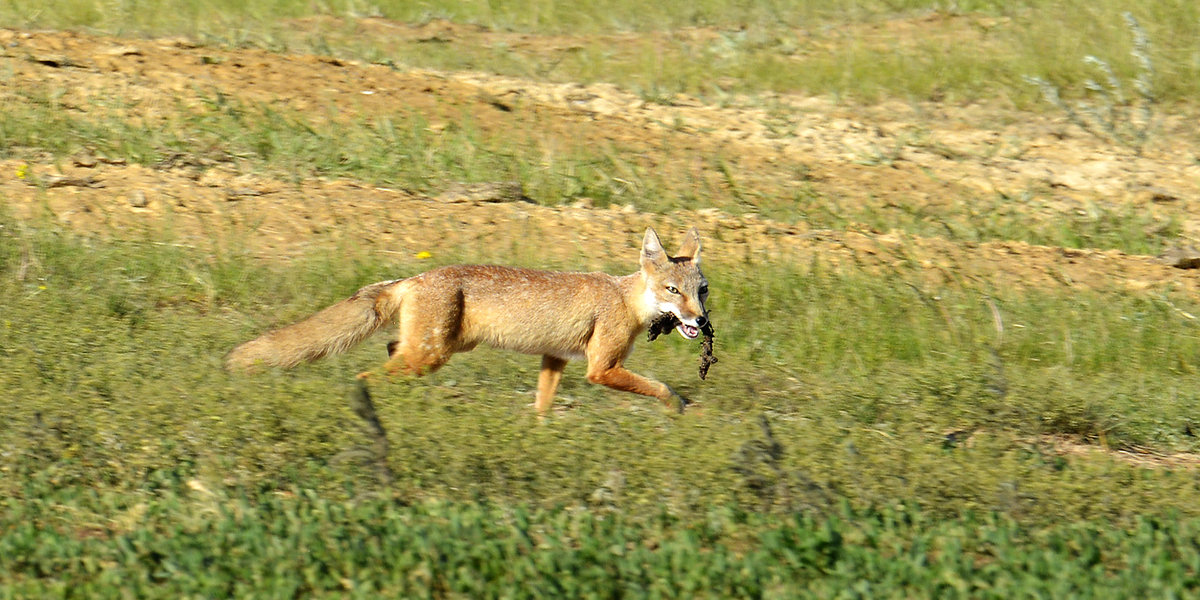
[330, 331]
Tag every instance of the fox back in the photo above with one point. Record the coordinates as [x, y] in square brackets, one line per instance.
[525, 310]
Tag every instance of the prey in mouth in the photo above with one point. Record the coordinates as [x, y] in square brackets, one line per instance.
[667, 321]
[664, 323]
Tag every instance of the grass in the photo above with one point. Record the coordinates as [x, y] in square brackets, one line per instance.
[425, 150]
[133, 334]
[864, 435]
[396, 149]
[401, 149]
[473, 550]
[878, 397]
[1029, 216]
[864, 51]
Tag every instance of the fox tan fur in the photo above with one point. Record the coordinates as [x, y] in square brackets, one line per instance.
[561, 316]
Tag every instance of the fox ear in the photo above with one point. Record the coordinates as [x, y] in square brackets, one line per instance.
[652, 249]
[690, 249]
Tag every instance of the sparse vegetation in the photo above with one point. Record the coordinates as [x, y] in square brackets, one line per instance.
[857, 50]
[401, 150]
[1113, 114]
[870, 431]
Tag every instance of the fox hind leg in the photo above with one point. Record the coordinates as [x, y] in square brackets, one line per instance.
[417, 359]
[428, 337]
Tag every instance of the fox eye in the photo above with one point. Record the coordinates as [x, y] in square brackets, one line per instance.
[703, 290]
[672, 289]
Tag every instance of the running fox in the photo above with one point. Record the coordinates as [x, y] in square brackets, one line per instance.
[562, 316]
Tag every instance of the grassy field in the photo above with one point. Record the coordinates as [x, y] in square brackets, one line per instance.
[842, 48]
[130, 446]
[864, 435]
[380, 548]
[399, 150]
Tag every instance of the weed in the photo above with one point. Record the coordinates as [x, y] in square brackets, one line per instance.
[1113, 116]
[189, 541]
[759, 462]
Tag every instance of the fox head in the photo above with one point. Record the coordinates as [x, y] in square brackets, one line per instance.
[674, 284]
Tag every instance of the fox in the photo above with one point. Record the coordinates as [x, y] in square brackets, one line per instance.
[562, 316]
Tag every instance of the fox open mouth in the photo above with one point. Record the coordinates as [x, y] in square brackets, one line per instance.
[665, 322]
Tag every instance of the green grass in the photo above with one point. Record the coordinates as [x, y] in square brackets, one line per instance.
[846, 49]
[400, 150]
[183, 545]
[396, 149]
[115, 350]
[910, 447]
[878, 396]
[1028, 217]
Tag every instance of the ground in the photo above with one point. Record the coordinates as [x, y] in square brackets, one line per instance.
[932, 161]
[957, 338]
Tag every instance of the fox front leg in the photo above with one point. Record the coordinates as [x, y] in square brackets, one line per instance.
[618, 377]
